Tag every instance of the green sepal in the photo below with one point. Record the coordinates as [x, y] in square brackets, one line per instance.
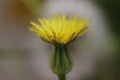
[60, 61]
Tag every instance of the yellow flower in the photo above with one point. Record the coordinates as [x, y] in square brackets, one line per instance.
[60, 30]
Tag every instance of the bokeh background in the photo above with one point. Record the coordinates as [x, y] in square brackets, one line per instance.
[24, 56]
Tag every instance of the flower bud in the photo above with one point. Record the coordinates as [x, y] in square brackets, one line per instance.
[60, 60]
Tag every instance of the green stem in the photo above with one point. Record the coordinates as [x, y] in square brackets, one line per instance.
[62, 77]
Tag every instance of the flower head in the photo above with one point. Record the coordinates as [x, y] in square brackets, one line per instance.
[59, 30]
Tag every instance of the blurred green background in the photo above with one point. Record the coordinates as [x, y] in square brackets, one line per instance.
[24, 56]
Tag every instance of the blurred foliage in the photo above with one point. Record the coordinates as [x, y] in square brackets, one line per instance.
[34, 5]
[14, 54]
[112, 9]
[109, 69]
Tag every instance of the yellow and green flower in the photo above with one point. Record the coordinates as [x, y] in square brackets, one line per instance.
[60, 31]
